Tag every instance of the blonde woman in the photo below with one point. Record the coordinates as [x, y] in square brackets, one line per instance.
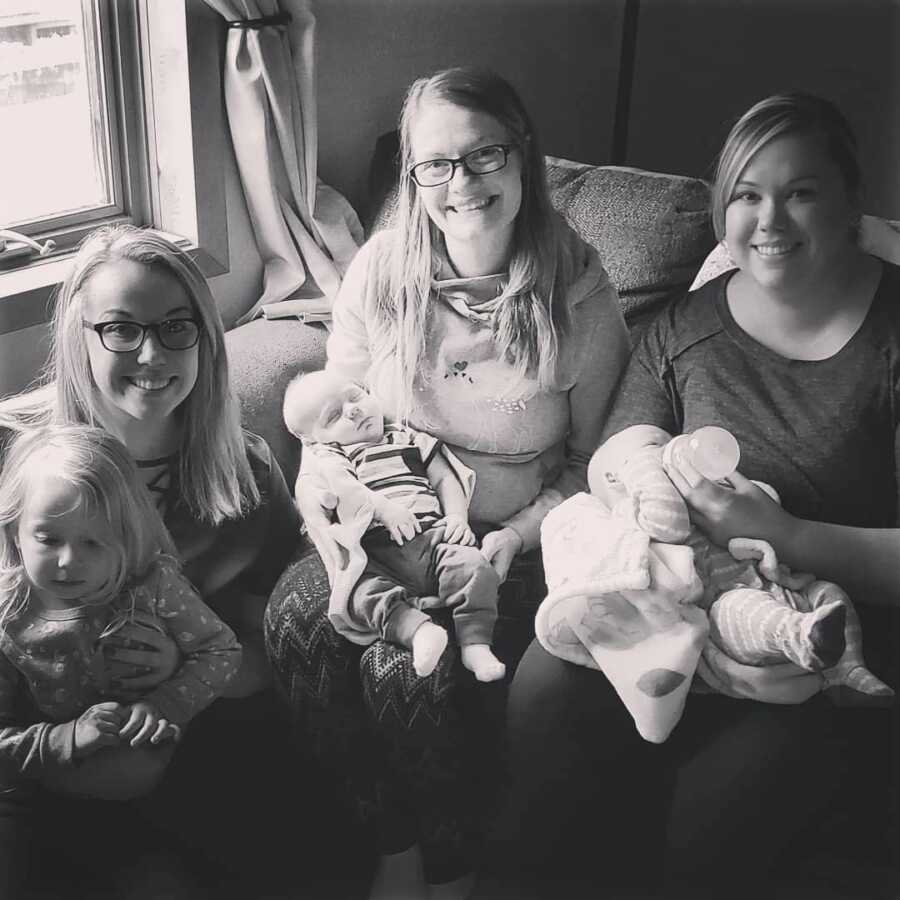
[138, 349]
[482, 319]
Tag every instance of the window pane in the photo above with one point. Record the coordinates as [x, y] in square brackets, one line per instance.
[55, 152]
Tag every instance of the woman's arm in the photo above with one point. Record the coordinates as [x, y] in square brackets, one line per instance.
[210, 653]
[864, 561]
[34, 748]
[348, 351]
[590, 401]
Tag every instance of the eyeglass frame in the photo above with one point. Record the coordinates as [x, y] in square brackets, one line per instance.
[155, 327]
[461, 161]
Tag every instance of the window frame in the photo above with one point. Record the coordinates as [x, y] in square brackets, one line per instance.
[26, 290]
[119, 67]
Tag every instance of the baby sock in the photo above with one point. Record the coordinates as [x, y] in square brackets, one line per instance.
[428, 643]
[754, 628]
[480, 659]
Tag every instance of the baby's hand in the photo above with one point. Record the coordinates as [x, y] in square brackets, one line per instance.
[146, 724]
[456, 530]
[98, 726]
[399, 521]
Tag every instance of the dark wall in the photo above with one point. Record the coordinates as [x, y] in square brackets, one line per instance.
[562, 56]
[700, 63]
[697, 65]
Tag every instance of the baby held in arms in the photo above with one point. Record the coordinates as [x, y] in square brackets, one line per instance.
[403, 526]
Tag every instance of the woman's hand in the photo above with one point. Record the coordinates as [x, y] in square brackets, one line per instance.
[138, 658]
[500, 547]
[738, 509]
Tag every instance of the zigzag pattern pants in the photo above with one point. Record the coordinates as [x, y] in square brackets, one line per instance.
[418, 758]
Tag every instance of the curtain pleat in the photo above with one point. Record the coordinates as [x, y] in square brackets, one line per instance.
[306, 231]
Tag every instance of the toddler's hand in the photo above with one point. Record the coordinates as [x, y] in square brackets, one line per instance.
[399, 521]
[456, 530]
[146, 724]
[98, 726]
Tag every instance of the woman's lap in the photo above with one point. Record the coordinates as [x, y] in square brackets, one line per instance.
[411, 750]
[737, 780]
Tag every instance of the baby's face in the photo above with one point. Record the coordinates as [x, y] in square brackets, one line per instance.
[348, 414]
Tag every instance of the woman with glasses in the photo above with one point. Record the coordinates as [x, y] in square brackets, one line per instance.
[484, 320]
[138, 349]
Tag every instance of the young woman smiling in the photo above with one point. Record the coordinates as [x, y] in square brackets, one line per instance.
[797, 353]
[484, 320]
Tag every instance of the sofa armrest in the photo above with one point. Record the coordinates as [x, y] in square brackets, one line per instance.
[263, 356]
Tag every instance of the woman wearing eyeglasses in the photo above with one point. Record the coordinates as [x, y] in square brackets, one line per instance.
[138, 349]
[484, 320]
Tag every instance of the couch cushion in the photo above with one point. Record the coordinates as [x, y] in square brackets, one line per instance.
[263, 356]
[652, 230]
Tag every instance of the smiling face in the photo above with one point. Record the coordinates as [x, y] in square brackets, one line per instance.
[468, 209]
[790, 215]
[66, 548]
[333, 410]
[148, 384]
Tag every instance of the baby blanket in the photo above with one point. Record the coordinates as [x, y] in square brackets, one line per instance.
[635, 608]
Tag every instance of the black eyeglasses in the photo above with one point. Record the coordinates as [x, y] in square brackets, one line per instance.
[480, 161]
[125, 337]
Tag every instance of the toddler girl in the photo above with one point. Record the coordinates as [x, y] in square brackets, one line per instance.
[83, 551]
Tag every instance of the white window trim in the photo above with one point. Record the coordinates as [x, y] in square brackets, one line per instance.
[188, 166]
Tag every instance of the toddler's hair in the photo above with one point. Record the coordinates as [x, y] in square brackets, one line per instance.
[99, 467]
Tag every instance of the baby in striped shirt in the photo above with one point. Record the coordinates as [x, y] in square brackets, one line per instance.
[421, 551]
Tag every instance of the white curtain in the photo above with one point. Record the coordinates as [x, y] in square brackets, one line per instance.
[306, 232]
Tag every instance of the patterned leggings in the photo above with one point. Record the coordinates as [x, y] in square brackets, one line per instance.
[420, 758]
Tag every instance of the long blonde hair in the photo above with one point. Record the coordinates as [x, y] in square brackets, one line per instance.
[214, 477]
[99, 467]
[532, 315]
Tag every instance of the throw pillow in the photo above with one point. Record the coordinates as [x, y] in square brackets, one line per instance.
[652, 230]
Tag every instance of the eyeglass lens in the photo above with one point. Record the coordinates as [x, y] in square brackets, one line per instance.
[173, 334]
[480, 161]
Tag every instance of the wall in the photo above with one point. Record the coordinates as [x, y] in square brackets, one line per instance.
[562, 56]
[700, 63]
[697, 65]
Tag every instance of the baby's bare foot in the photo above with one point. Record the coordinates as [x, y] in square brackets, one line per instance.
[479, 659]
[428, 644]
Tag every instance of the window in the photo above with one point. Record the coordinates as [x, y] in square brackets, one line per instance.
[142, 80]
[72, 155]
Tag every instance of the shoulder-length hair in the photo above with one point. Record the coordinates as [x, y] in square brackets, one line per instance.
[773, 117]
[533, 313]
[214, 477]
[100, 469]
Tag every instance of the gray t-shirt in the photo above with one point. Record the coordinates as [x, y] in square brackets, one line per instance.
[821, 432]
